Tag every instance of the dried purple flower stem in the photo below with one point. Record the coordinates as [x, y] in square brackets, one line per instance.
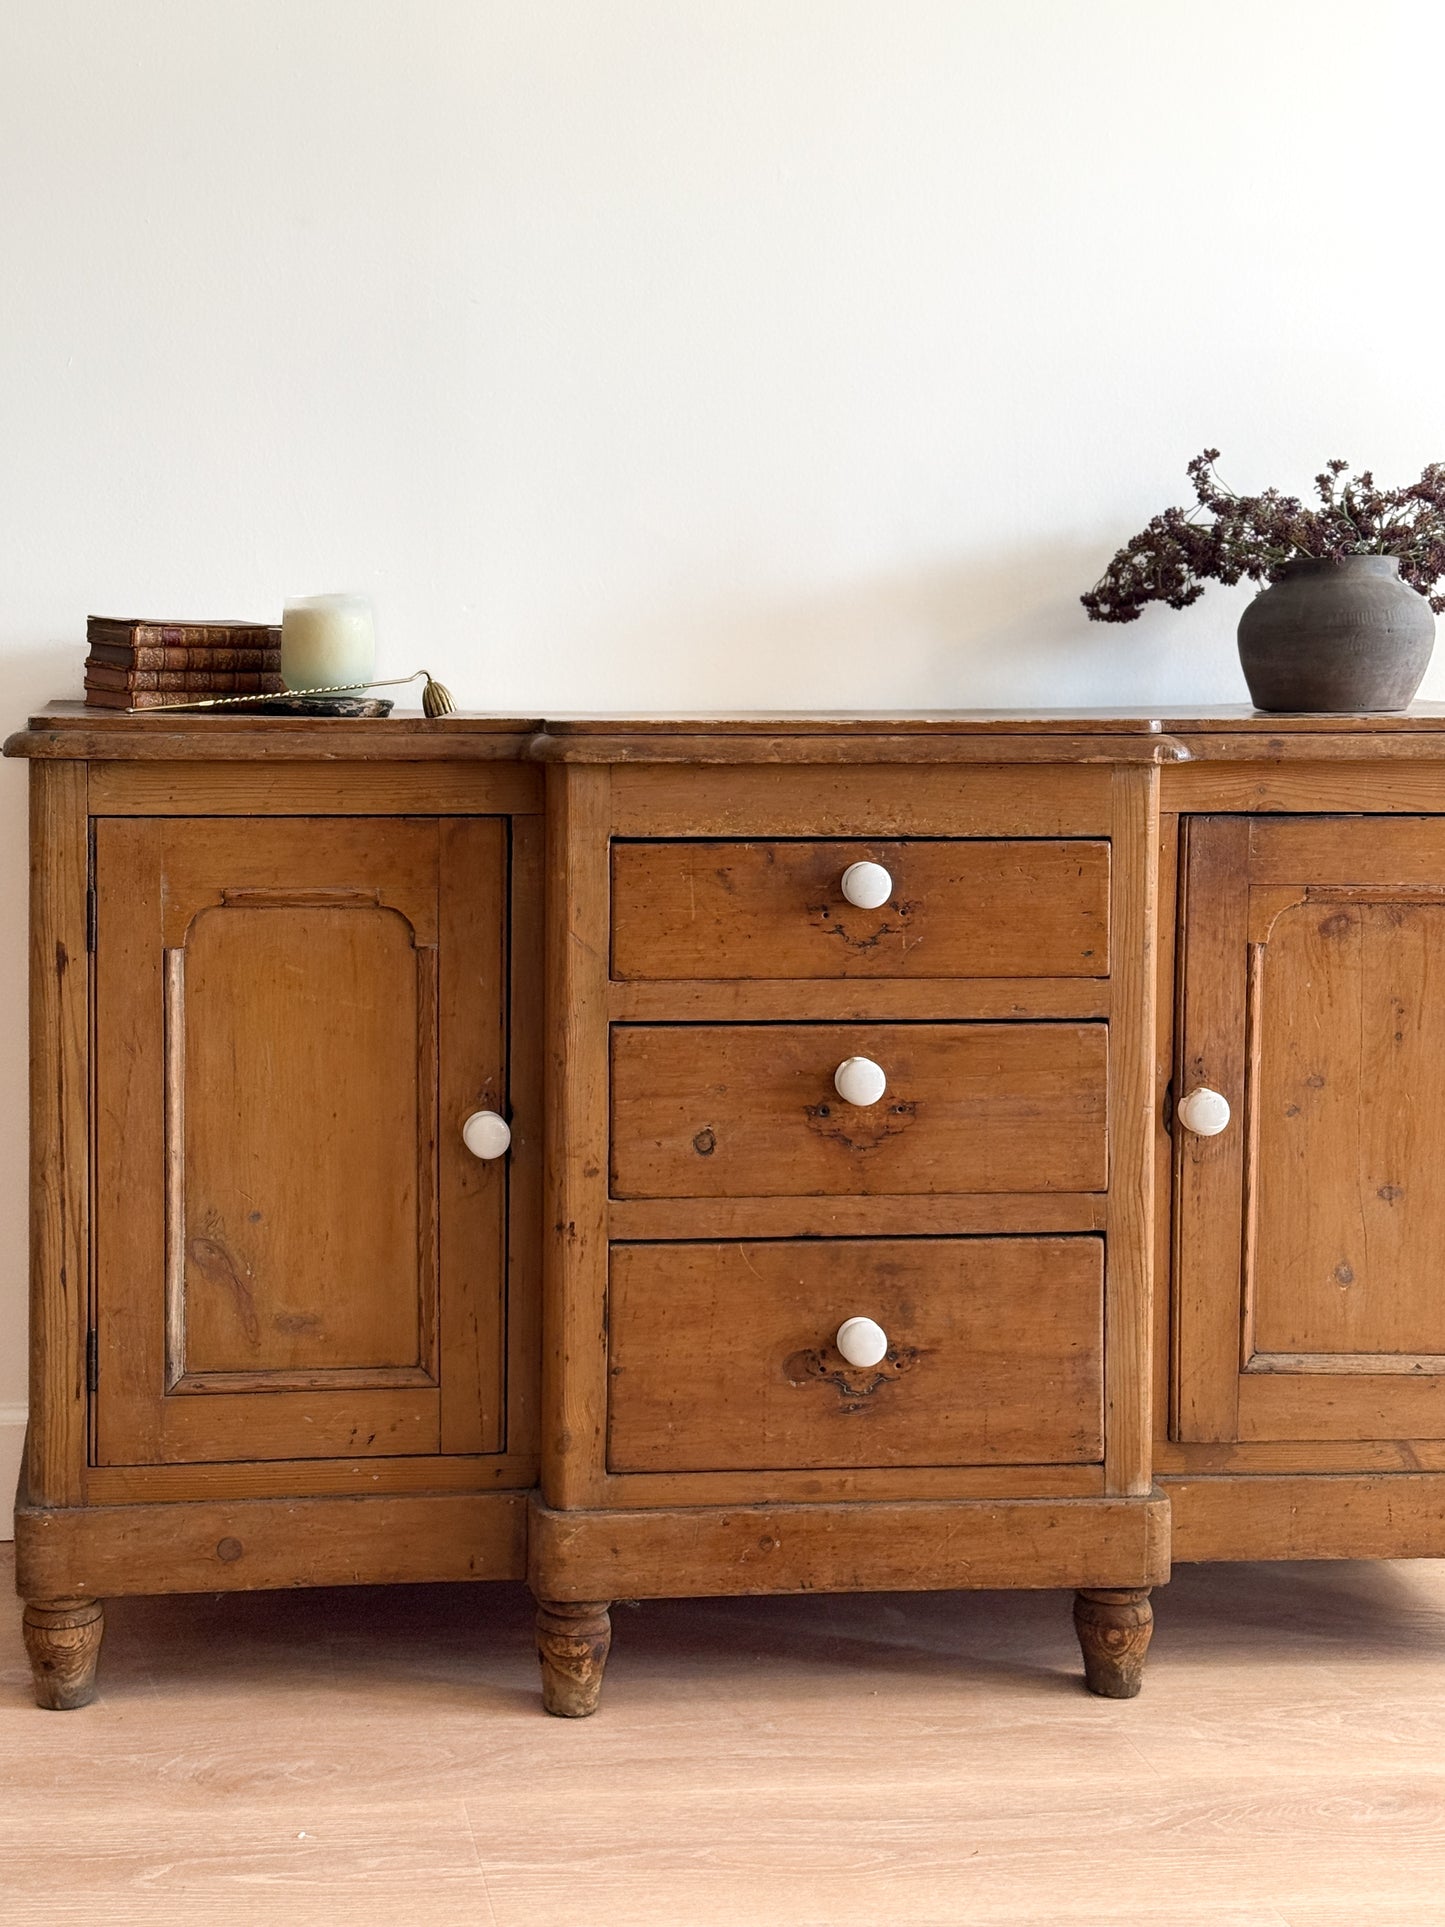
[1258, 536]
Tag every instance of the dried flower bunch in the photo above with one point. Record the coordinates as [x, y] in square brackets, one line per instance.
[1260, 535]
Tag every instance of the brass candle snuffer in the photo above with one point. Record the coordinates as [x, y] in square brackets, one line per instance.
[436, 698]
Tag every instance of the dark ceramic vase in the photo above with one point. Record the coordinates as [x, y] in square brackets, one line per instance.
[1336, 637]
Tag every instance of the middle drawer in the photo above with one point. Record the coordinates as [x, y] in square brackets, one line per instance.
[751, 1110]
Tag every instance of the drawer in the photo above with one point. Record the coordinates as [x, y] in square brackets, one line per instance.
[750, 1110]
[722, 1356]
[957, 908]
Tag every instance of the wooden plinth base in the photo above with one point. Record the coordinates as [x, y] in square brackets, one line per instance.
[62, 1637]
[681, 1552]
[249, 1545]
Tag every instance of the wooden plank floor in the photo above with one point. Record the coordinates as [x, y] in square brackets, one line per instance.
[378, 1759]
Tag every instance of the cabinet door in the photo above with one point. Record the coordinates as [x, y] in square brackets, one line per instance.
[1310, 1230]
[295, 1256]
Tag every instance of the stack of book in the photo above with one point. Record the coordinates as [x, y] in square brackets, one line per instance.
[141, 665]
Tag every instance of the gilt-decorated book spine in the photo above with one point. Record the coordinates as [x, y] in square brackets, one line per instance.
[156, 655]
[132, 632]
[189, 682]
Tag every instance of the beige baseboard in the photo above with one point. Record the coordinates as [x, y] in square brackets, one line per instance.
[12, 1442]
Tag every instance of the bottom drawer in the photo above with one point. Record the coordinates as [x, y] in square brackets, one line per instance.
[722, 1356]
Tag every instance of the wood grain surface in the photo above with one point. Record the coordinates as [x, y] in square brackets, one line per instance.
[751, 1111]
[876, 1214]
[574, 1275]
[276, 785]
[824, 748]
[235, 1545]
[1209, 1171]
[1134, 918]
[59, 1128]
[721, 1356]
[1309, 1231]
[293, 1256]
[1351, 1210]
[1279, 1516]
[958, 908]
[843, 1000]
[861, 1547]
[872, 799]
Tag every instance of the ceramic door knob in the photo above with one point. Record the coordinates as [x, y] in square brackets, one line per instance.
[1203, 1111]
[858, 1080]
[868, 885]
[862, 1342]
[486, 1134]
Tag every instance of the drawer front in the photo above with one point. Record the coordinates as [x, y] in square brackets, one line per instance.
[957, 908]
[722, 1356]
[750, 1110]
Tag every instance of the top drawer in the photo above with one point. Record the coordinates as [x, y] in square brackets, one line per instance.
[958, 907]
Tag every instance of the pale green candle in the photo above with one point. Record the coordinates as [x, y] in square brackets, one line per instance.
[328, 641]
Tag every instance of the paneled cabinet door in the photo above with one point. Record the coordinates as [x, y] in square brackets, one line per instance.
[295, 1255]
[1311, 1226]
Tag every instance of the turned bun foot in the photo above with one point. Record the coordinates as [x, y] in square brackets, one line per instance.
[62, 1637]
[572, 1643]
[1114, 1629]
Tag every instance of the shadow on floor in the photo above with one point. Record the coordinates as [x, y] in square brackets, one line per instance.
[479, 1637]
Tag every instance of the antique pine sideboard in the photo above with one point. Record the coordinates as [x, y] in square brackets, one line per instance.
[729, 1156]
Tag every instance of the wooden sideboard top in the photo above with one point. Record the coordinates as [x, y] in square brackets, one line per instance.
[1232, 732]
[69, 730]
[1153, 721]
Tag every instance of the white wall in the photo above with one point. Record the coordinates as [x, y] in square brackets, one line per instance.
[650, 353]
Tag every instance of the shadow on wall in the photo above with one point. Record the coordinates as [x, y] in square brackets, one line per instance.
[1000, 630]
[28, 678]
[1005, 631]
[32, 676]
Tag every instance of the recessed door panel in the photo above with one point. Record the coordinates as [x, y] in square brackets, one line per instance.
[301, 1057]
[1351, 1208]
[1310, 1228]
[294, 1256]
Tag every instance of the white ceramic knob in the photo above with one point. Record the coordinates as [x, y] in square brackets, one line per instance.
[1203, 1111]
[858, 1080]
[862, 1342]
[868, 885]
[486, 1134]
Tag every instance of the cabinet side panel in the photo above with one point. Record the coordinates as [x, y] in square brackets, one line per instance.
[59, 1107]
